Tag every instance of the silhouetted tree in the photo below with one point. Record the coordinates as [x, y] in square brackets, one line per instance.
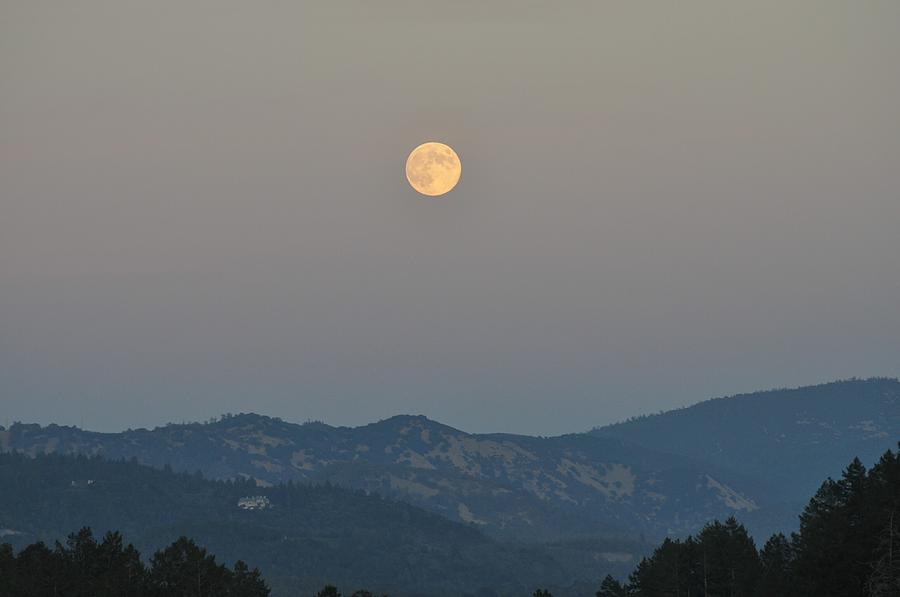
[776, 559]
[838, 534]
[884, 581]
[185, 569]
[730, 562]
[246, 582]
[847, 546]
[82, 567]
[328, 591]
[610, 587]
[38, 573]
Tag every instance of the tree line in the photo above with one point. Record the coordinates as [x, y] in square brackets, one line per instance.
[848, 545]
[85, 567]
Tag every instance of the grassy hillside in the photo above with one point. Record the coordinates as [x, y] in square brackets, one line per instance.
[510, 486]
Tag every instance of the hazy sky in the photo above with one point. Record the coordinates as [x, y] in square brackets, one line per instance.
[203, 207]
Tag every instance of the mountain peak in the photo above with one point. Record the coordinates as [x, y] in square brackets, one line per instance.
[404, 423]
[402, 418]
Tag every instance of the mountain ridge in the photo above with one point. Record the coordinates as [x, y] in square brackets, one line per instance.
[657, 475]
[508, 485]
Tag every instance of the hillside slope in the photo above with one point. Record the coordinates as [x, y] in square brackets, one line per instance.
[512, 486]
[757, 456]
[791, 438]
[304, 536]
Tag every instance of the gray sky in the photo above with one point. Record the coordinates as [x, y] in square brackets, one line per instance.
[203, 207]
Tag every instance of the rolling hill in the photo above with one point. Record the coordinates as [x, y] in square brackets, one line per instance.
[791, 438]
[757, 456]
[510, 486]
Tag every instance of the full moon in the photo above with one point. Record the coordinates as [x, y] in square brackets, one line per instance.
[433, 169]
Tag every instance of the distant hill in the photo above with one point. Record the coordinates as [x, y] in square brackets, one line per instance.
[756, 456]
[302, 537]
[788, 439]
[510, 486]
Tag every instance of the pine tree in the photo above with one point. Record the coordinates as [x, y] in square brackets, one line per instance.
[610, 587]
[82, 567]
[776, 559]
[674, 568]
[833, 546]
[884, 581]
[187, 570]
[721, 561]
[248, 583]
[39, 571]
[8, 570]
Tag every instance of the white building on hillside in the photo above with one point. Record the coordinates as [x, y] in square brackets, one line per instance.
[254, 502]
